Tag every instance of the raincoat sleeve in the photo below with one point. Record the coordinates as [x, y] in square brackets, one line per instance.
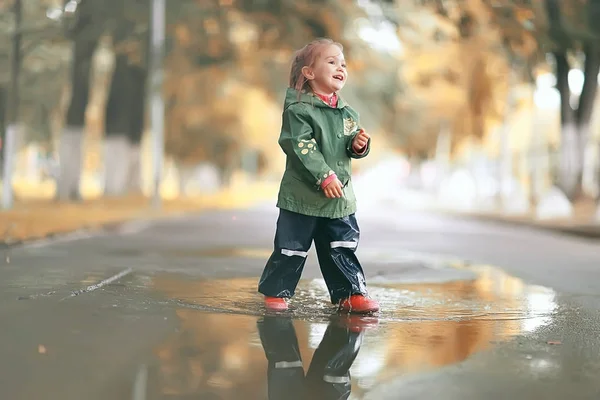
[300, 146]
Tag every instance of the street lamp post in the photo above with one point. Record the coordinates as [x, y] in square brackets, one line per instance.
[12, 111]
[157, 106]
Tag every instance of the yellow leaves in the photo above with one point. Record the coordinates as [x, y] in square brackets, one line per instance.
[524, 14]
[260, 117]
[356, 65]
[331, 20]
[459, 80]
[425, 63]
[211, 26]
[214, 105]
[183, 34]
[442, 98]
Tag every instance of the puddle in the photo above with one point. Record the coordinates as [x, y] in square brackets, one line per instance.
[221, 252]
[492, 295]
[225, 344]
[211, 252]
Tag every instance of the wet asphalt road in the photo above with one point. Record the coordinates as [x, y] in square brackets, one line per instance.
[470, 311]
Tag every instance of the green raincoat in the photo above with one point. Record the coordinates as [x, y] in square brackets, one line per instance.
[317, 140]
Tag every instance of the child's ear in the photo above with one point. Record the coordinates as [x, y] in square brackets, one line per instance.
[308, 73]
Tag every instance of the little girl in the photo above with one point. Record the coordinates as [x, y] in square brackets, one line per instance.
[320, 135]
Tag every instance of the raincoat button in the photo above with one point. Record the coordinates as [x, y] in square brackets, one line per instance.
[340, 163]
[339, 135]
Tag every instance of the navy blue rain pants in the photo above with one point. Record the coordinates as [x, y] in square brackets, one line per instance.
[336, 241]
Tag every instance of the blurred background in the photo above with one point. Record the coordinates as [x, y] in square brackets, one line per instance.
[118, 110]
[110, 109]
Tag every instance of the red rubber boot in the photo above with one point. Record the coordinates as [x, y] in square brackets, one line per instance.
[359, 304]
[275, 303]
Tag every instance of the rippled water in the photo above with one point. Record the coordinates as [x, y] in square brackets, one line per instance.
[493, 295]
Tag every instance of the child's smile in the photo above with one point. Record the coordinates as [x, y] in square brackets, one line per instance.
[328, 74]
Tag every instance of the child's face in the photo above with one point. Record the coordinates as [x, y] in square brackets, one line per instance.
[328, 74]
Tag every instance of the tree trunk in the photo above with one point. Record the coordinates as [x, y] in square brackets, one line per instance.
[70, 151]
[136, 127]
[125, 128]
[570, 165]
[584, 115]
[185, 173]
[575, 166]
[117, 125]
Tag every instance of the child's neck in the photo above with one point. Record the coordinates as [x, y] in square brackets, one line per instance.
[319, 93]
[330, 100]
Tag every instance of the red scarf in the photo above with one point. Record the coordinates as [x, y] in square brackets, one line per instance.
[330, 101]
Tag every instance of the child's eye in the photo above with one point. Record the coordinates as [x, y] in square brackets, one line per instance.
[331, 62]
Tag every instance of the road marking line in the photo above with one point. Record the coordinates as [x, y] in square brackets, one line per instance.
[102, 283]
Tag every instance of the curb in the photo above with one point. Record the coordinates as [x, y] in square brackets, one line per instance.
[101, 229]
[112, 227]
[589, 231]
[109, 227]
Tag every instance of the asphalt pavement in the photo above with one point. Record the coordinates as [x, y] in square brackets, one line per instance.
[169, 310]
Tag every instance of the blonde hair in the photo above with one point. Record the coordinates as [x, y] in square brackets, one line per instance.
[306, 57]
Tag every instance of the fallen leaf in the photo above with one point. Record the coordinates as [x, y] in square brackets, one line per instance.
[554, 342]
[42, 349]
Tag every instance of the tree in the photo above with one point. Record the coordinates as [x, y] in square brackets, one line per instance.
[453, 73]
[34, 53]
[567, 32]
[127, 23]
[125, 107]
[581, 39]
[84, 33]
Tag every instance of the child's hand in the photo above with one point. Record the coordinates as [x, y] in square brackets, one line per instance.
[361, 140]
[334, 189]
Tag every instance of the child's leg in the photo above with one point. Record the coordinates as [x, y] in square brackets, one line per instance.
[292, 242]
[336, 241]
[285, 374]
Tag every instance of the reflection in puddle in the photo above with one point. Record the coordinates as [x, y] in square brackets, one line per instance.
[268, 357]
[327, 377]
[225, 339]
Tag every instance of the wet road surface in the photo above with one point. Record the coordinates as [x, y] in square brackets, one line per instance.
[169, 311]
